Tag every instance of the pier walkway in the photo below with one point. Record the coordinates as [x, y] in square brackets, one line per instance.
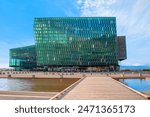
[25, 95]
[101, 88]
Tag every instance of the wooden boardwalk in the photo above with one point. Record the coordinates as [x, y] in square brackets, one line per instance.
[101, 88]
[25, 95]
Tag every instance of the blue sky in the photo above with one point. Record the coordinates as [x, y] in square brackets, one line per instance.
[133, 20]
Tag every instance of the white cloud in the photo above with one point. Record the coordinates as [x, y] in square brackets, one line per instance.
[95, 7]
[4, 65]
[130, 64]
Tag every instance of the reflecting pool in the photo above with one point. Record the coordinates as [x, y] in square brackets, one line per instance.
[39, 85]
[142, 85]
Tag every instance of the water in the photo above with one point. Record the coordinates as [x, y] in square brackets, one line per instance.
[142, 85]
[39, 85]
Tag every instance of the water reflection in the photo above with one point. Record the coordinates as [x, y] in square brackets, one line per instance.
[42, 85]
[15, 84]
[142, 85]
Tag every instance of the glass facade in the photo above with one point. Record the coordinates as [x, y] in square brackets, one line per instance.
[76, 41]
[72, 42]
[23, 58]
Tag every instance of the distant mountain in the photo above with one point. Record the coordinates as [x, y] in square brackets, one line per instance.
[135, 67]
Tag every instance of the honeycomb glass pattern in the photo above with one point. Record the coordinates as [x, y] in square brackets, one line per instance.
[23, 58]
[76, 41]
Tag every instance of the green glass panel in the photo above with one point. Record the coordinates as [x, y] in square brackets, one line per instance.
[76, 41]
[23, 57]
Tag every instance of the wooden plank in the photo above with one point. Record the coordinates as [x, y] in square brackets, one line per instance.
[26, 95]
[101, 88]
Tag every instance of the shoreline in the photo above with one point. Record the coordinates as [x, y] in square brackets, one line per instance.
[116, 75]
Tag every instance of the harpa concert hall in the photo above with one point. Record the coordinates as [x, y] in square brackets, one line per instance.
[72, 43]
